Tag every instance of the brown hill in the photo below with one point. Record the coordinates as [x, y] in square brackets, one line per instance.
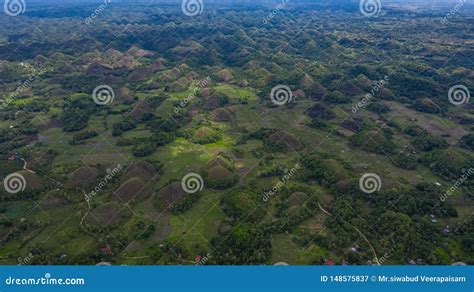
[96, 69]
[170, 194]
[139, 53]
[140, 169]
[306, 82]
[215, 101]
[290, 142]
[349, 88]
[244, 83]
[427, 105]
[222, 115]
[205, 135]
[219, 177]
[81, 177]
[295, 201]
[33, 181]
[337, 169]
[225, 75]
[179, 85]
[124, 95]
[108, 214]
[133, 189]
[218, 161]
[205, 92]
[141, 109]
[141, 74]
[219, 173]
[157, 65]
[176, 73]
[192, 75]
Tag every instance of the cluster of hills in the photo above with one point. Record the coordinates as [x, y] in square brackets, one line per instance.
[276, 116]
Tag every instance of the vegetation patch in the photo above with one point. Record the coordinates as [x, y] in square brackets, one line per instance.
[286, 140]
[106, 215]
[222, 115]
[140, 169]
[376, 141]
[134, 189]
[243, 204]
[170, 196]
[84, 176]
[205, 135]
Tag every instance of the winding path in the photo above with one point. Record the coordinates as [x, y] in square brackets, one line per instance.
[358, 231]
[25, 164]
[85, 215]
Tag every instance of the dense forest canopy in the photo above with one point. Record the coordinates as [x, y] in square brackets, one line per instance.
[237, 132]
